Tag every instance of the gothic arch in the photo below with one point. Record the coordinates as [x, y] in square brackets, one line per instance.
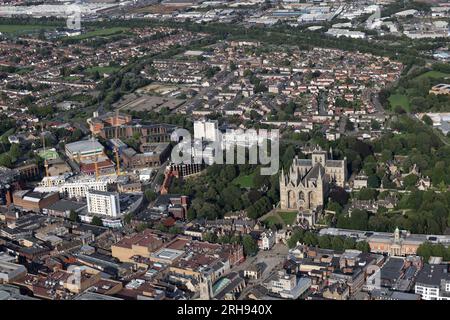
[292, 203]
[301, 200]
[310, 199]
[301, 196]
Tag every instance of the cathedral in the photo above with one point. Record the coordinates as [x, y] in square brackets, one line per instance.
[306, 185]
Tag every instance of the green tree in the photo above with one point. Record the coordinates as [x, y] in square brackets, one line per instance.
[349, 125]
[297, 236]
[363, 246]
[250, 245]
[334, 206]
[14, 151]
[349, 243]
[150, 195]
[427, 120]
[324, 242]
[367, 194]
[425, 251]
[5, 160]
[375, 125]
[96, 221]
[410, 180]
[73, 216]
[359, 220]
[373, 181]
[141, 227]
[210, 237]
[127, 218]
[337, 244]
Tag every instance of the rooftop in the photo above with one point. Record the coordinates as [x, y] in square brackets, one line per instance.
[84, 146]
[433, 274]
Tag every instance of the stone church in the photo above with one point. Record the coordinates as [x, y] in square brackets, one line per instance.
[306, 185]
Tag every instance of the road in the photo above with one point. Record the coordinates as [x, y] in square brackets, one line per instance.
[161, 169]
[322, 99]
[376, 102]
[225, 80]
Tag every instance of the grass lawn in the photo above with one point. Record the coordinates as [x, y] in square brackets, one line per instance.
[288, 217]
[102, 70]
[402, 100]
[244, 181]
[48, 154]
[71, 78]
[99, 33]
[272, 220]
[24, 70]
[19, 28]
[399, 100]
[433, 75]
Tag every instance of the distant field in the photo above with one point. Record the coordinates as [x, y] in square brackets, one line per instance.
[25, 70]
[399, 100]
[18, 28]
[433, 75]
[402, 100]
[71, 78]
[99, 33]
[244, 181]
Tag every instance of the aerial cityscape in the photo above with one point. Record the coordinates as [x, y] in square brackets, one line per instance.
[232, 150]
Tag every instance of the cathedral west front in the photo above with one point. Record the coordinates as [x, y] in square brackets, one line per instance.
[305, 186]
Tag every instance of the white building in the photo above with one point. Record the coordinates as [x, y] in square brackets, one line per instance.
[206, 130]
[103, 203]
[360, 181]
[345, 33]
[203, 151]
[53, 181]
[267, 240]
[288, 286]
[78, 189]
[433, 282]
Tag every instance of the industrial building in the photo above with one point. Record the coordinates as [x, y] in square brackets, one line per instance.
[85, 149]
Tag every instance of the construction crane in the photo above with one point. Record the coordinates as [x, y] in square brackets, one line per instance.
[45, 155]
[116, 149]
[95, 160]
[96, 167]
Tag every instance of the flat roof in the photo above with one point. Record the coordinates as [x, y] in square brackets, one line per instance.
[66, 205]
[168, 254]
[432, 274]
[84, 146]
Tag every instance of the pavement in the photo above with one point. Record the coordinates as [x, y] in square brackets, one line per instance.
[273, 260]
